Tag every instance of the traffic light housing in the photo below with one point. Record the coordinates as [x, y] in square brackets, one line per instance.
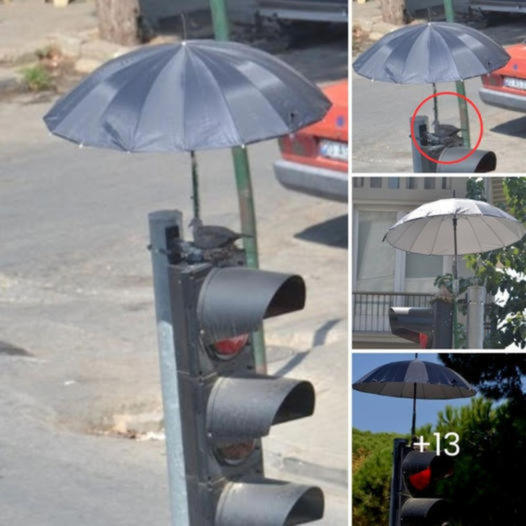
[429, 327]
[420, 472]
[225, 407]
[445, 145]
[412, 323]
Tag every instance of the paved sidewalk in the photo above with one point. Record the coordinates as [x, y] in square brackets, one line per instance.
[314, 450]
[21, 36]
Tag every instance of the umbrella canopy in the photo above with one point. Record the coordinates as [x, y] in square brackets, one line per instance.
[432, 381]
[195, 95]
[415, 379]
[431, 53]
[430, 229]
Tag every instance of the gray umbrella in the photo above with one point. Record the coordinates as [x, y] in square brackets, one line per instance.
[431, 53]
[415, 379]
[199, 94]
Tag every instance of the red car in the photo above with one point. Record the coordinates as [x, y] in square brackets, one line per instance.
[506, 87]
[315, 159]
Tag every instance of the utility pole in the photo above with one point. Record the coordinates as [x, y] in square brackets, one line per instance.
[244, 190]
[461, 88]
[476, 301]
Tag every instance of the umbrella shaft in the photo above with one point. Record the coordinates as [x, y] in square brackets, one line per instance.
[413, 423]
[195, 186]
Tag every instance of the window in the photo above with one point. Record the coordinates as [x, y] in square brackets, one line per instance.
[410, 183]
[393, 182]
[375, 182]
[429, 183]
[357, 182]
[375, 259]
[445, 185]
[422, 266]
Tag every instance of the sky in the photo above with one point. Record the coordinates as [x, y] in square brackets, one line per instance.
[383, 413]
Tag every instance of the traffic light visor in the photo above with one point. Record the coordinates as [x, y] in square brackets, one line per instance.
[480, 161]
[269, 503]
[235, 300]
[245, 408]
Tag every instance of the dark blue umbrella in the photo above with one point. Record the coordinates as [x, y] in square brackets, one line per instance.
[431, 53]
[196, 95]
[415, 379]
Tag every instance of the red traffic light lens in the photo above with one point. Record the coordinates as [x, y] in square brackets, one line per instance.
[423, 340]
[235, 454]
[420, 480]
[231, 347]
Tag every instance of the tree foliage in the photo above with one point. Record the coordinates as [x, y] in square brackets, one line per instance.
[495, 375]
[503, 272]
[487, 485]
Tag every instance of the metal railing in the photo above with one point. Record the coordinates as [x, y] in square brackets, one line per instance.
[371, 309]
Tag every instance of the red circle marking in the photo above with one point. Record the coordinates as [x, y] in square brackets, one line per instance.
[471, 152]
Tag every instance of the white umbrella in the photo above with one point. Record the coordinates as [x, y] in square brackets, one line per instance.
[449, 227]
[455, 226]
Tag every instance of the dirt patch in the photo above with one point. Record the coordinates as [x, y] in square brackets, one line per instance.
[48, 74]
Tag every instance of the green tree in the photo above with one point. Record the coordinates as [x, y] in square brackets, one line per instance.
[496, 376]
[504, 271]
[488, 481]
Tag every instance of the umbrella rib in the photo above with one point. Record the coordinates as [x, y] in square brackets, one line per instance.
[257, 88]
[491, 228]
[438, 230]
[222, 94]
[475, 234]
[444, 41]
[148, 93]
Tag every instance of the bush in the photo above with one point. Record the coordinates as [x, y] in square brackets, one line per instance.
[37, 78]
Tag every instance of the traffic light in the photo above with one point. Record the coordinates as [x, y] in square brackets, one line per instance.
[412, 323]
[420, 472]
[225, 407]
[445, 145]
[428, 327]
[413, 487]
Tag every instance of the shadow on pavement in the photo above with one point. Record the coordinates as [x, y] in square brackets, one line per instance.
[332, 232]
[514, 128]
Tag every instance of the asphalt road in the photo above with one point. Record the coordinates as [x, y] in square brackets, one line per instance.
[77, 331]
[381, 113]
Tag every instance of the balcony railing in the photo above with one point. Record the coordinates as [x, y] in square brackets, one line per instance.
[371, 309]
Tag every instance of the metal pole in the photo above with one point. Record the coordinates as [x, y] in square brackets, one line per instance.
[461, 89]
[435, 109]
[396, 481]
[476, 301]
[195, 186]
[244, 190]
[165, 227]
[455, 285]
[413, 423]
